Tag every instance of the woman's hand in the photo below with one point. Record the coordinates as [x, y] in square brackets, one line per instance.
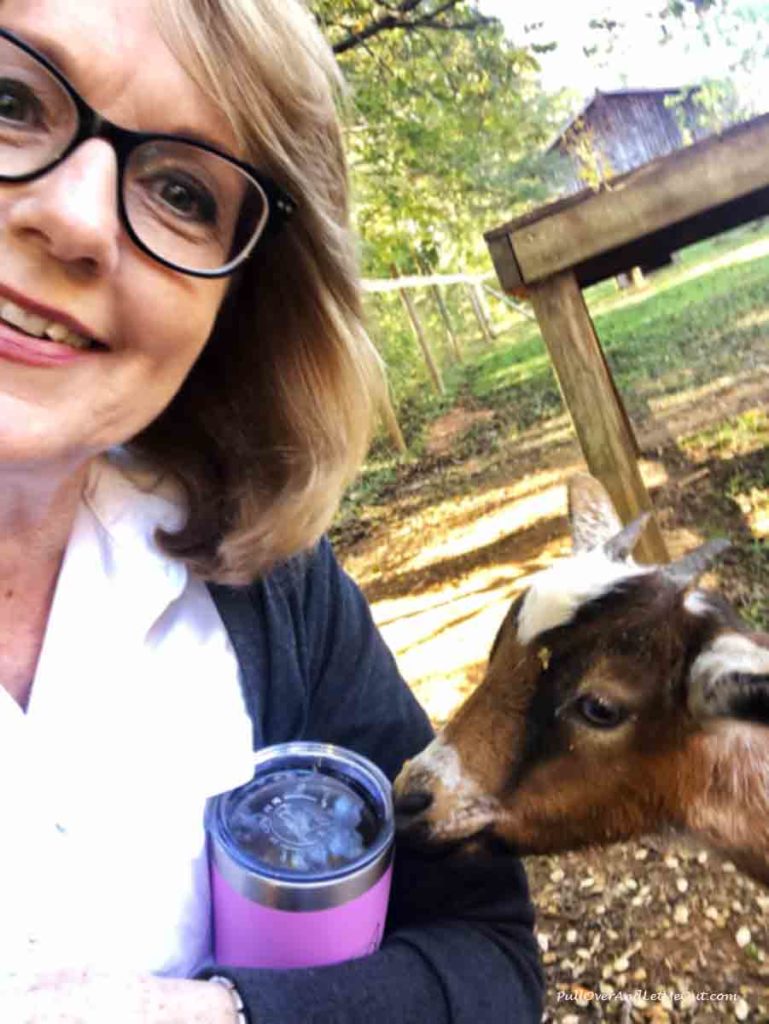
[89, 997]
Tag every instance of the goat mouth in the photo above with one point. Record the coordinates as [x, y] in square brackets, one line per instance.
[475, 846]
[427, 848]
[426, 838]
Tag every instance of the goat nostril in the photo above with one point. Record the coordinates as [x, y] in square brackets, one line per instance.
[413, 803]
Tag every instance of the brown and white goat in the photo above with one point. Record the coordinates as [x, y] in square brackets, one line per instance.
[619, 700]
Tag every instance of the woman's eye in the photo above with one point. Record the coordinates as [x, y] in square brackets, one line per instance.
[18, 103]
[187, 198]
[600, 713]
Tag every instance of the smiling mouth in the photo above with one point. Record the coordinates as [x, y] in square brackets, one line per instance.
[43, 328]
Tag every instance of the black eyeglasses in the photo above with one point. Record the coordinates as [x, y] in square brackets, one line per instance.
[186, 204]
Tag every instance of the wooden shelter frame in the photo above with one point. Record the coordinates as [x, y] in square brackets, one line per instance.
[555, 251]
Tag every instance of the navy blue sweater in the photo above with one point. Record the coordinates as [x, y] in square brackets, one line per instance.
[459, 946]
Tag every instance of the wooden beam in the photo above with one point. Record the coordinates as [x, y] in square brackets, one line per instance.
[503, 257]
[652, 198]
[591, 399]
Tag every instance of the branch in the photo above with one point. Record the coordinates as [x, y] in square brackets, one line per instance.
[398, 19]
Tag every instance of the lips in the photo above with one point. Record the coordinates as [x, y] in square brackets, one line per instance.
[45, 323]
[40, 327]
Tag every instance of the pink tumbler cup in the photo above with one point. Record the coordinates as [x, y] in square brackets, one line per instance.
[301, 859]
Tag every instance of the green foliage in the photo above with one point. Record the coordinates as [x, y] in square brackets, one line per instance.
[594, 166]
[443, 137]
[412, 390]
[695, 324]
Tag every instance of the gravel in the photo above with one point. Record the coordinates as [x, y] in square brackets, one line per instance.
[655, 931]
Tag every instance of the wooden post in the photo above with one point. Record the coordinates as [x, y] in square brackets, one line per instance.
[432, 366]
[621, 404]
[479, 315]
[484, 307]
[604, 434]
[391, 423]
[456, 351]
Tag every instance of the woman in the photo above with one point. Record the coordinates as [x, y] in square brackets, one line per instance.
[185, 388]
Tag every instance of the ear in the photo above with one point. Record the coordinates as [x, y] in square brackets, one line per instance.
[592, 516]
[730, 679]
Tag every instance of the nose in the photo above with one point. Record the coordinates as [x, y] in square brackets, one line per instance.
[71, 211]
[412, 828]
[408, 805]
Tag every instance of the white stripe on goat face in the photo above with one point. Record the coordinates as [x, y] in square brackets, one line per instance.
[728, 655]
[443, 764]
[463, 806]
[697, 603]
[556, 594]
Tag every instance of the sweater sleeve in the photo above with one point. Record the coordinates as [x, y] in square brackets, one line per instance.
[459, 946]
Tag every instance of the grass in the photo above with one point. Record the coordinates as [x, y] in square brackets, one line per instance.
[704, 317]
[736, 454]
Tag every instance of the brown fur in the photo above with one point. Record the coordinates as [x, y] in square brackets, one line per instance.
[559, 782]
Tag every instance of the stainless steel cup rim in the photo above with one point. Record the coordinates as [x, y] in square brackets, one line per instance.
[273, 888]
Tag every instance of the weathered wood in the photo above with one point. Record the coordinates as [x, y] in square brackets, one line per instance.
[620, 129]
[483, 306]
[590, 397]
[503, 258]
[620, 403]
[485, 331]
[411, 310]
[650, 249]
[654, 196]
[454, 346]
[391, 424]
[419, 281]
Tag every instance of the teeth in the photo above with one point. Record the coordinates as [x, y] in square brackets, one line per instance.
[56, 332]
[38, 326]
[18, 317]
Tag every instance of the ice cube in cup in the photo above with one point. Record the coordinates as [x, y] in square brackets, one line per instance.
[303, 821]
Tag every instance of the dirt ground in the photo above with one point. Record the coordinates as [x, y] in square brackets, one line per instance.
[647, 932]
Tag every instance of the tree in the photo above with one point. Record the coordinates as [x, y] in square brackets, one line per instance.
[354, 23]
[447, 125]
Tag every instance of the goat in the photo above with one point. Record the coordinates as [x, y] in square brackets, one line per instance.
[619, 700]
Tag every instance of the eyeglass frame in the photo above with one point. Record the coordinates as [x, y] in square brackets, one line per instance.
[92, 125]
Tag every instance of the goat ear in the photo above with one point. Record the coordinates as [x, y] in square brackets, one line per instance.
[730, 679]
[592, 516]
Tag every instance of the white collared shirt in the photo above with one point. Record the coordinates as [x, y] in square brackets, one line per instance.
[136, 716]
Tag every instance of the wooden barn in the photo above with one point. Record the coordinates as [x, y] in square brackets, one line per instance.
[617, 131]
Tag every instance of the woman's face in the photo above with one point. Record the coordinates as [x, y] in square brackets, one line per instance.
[62, 247]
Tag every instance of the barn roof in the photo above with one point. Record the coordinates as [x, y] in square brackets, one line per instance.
[588, 102]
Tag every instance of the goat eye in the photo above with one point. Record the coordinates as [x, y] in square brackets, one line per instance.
[599, 712]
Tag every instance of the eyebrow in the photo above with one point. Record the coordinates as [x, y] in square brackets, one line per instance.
[61, 59]
[56, 54]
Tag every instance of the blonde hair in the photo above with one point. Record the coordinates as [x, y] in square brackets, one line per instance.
[274, 418]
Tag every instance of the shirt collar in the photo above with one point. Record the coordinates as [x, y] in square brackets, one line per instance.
[128, 501]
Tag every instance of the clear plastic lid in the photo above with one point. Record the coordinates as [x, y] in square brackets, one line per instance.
[307, 815]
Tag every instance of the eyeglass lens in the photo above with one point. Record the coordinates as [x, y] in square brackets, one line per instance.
[192, 208]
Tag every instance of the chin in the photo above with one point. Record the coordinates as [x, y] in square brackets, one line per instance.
[431, 845]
